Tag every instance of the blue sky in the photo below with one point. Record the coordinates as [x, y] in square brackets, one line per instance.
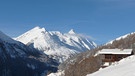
[103, 20]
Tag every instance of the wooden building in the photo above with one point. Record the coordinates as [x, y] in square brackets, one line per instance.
[110, 56]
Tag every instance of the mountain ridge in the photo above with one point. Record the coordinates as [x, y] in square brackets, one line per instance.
[54, 43]
[121, 37]
[90, 61]
[17, 59]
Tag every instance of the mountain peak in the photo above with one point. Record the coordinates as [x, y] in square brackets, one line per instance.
[38, 28]
[34, 33]
[71, 31]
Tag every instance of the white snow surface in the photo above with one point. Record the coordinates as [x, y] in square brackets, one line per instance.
[59, 73]
[60, 46]
[115, 51]
[125, 67]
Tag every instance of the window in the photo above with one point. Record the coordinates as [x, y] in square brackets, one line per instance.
[108, 57]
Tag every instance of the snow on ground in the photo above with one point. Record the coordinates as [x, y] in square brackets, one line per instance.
[59, 73]
[125, 67]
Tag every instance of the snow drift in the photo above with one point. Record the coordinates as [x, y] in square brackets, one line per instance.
[125, 67]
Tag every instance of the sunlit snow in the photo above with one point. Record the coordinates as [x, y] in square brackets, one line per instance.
[125, 67]
[60, 46]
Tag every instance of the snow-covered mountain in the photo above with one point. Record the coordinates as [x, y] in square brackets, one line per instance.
[121, 37]
[58, 45]
[125, 67]
[17, 59]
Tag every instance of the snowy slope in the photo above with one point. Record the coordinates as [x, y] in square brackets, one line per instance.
[122, 37]
[17, 59]
[60, 46]
[125, 67]
[6, 38]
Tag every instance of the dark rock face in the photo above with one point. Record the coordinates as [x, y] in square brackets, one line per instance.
[20, 60]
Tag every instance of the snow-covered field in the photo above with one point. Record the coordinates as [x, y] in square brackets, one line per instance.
[125, 67]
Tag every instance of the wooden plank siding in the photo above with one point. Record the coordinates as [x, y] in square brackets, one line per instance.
[112, 58]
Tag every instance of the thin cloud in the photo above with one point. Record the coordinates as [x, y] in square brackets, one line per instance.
[87, 36]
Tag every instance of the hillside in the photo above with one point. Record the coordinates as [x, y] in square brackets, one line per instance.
[89, 62]
[17, 59]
